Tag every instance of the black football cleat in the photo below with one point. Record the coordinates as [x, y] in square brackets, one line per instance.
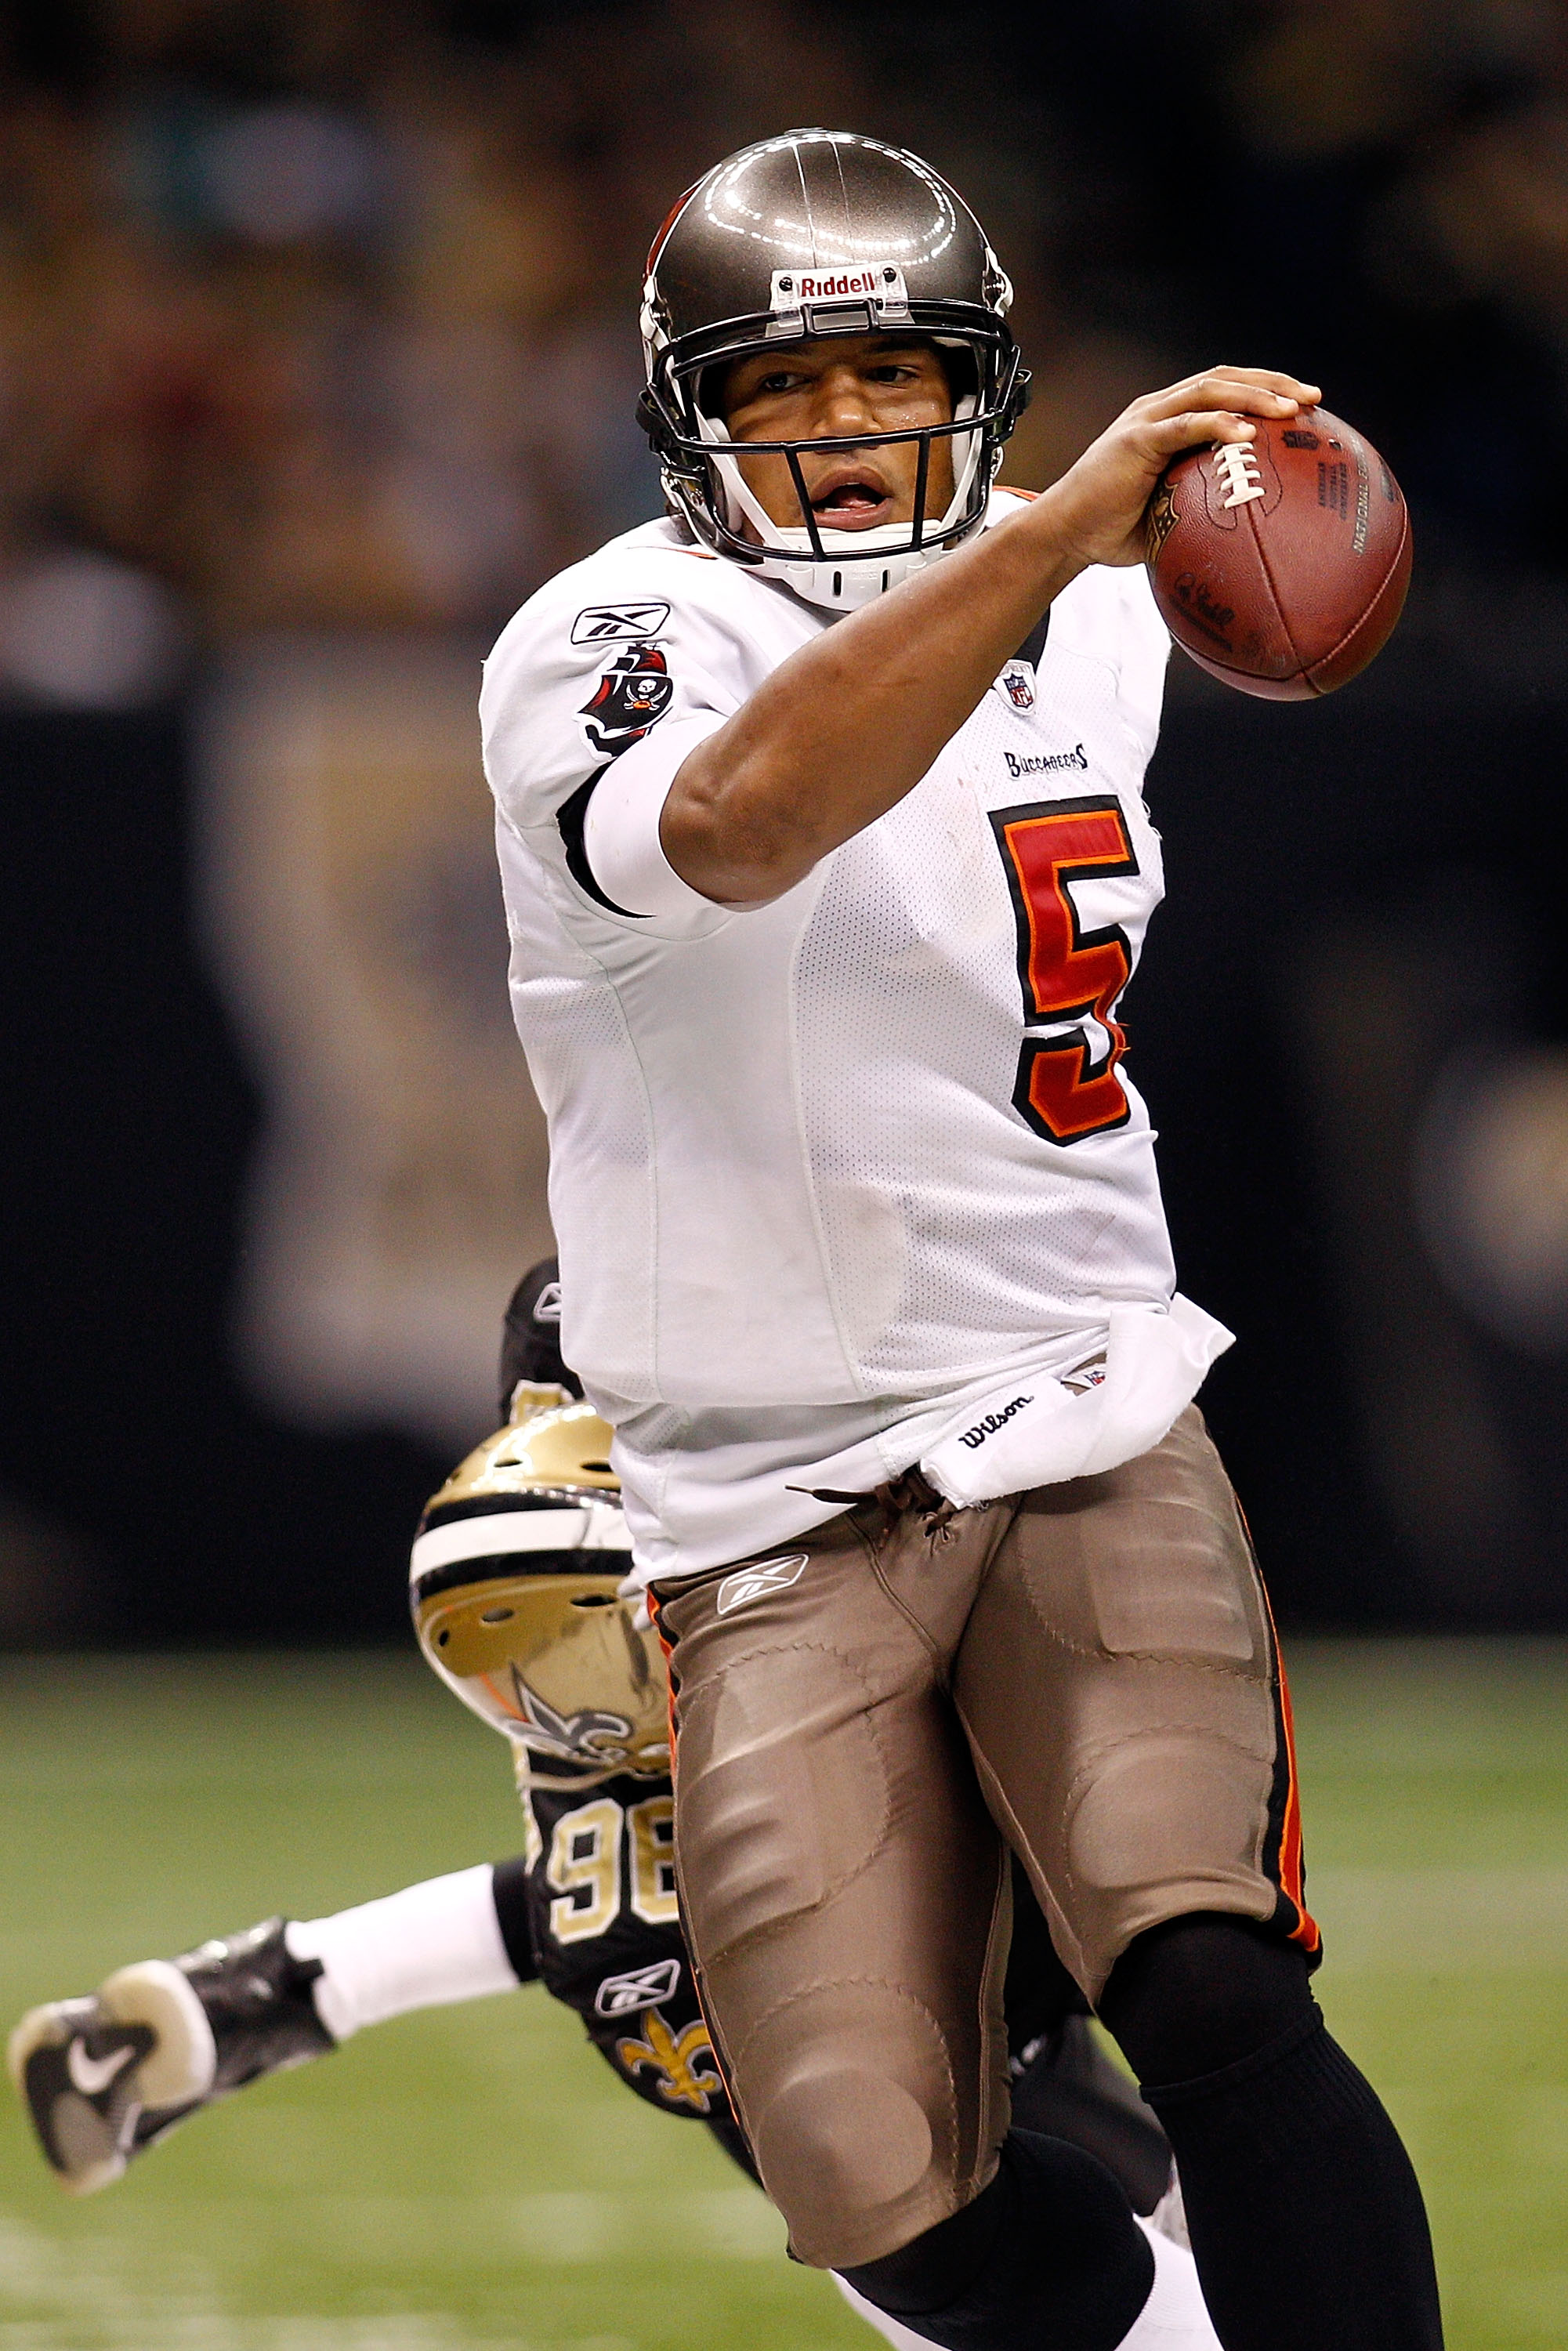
[103, 2076]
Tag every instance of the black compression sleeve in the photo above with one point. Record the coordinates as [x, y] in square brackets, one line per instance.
[509, 1890]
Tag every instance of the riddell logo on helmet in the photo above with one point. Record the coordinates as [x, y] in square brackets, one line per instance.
[881, 282]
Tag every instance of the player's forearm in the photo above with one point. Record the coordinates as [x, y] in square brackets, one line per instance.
[850, 724]
[847, 724]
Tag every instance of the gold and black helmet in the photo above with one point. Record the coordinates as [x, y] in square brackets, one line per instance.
[513, 1586]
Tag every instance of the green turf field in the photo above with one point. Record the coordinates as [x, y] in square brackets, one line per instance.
[472, 2179]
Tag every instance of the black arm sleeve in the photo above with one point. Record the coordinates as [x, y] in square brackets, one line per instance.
[509, 1886]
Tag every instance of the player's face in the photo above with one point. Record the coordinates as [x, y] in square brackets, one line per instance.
[837, 389]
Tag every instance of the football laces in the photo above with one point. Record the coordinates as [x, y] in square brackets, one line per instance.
[1235, 464]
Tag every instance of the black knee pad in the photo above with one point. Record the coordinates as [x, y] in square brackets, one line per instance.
[1202, 1992]
[1049, 2256]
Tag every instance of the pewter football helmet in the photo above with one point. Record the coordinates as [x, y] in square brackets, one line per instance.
[513, 1588]
[823, 232]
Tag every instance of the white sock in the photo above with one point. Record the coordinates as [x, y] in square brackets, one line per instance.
[1173, 2319]
[425, 1947]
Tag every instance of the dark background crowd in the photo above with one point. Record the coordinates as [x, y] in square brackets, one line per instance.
[318, 353]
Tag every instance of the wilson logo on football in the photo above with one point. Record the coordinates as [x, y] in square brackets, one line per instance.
[748, 1584]
[623, 1995]
[632, 696]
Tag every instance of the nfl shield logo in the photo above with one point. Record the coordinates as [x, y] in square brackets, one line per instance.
[1019, 685]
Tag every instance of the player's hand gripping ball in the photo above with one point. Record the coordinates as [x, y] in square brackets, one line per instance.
[1280, 563]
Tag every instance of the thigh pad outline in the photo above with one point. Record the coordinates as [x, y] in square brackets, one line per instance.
[784, 1787]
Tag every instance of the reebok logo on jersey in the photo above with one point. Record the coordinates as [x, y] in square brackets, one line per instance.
[638, 1987]
[606, 624]
[750, 1584]
[989, 1422]
[1044, 763]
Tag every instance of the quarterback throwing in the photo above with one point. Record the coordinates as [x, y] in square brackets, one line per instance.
[825, 864]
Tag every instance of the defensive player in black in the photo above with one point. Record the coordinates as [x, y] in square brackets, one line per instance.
[515, 1570]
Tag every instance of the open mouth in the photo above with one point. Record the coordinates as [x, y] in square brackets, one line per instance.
[853, 500]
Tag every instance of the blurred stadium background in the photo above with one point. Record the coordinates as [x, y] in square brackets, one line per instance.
[317, 354]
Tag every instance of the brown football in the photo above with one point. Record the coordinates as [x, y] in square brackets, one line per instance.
[1281, 564]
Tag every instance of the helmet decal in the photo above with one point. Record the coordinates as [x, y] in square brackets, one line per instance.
[671, 217]
[795, 293]
[587, 1737]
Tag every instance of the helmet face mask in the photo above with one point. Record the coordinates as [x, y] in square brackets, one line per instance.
[803, 238]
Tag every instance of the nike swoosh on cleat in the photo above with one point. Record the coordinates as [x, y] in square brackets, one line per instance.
[92, 2076]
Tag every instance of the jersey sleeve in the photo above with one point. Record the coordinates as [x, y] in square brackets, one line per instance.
[510, 1889]
[615, 695]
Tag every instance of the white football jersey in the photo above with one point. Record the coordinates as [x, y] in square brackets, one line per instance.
[857, 1178]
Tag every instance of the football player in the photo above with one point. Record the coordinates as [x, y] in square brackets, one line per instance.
[826, 863]
[515, 1576]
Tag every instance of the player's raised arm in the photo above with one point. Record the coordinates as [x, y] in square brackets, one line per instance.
[847, 724]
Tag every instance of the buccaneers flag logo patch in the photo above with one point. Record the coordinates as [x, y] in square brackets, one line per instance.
[632, 696]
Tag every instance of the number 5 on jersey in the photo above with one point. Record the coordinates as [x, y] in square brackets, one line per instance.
[1065, 1088]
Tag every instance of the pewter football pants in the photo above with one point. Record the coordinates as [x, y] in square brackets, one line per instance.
[867, 1718]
